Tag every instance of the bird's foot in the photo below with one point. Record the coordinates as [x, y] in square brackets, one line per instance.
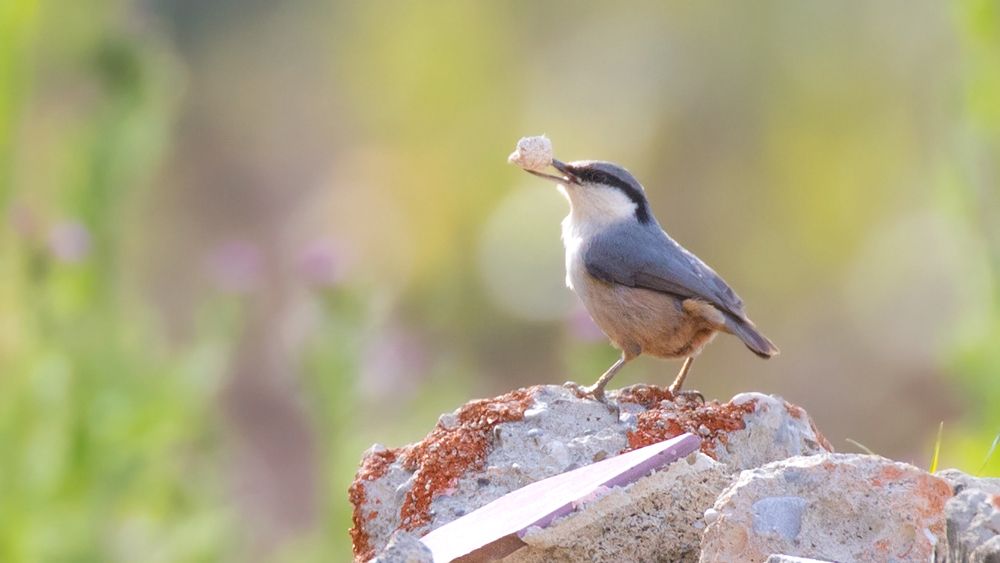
[595, 392]
[695, 396]
[675, 387]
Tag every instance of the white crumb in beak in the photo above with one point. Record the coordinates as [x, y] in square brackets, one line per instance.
[533, 153]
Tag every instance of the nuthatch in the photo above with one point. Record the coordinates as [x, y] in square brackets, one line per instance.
[645, 291]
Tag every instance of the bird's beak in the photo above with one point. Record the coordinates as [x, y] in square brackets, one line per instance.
[567, 177]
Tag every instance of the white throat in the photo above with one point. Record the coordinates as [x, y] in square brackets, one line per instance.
[597, 205]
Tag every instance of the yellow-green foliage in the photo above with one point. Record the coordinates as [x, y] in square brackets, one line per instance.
[977, 361]
[108, 438]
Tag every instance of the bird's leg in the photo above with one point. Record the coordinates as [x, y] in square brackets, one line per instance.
[675, 387]
[597, 389]
[679, 380]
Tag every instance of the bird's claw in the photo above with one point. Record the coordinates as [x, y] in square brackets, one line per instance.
[595, 392]
[695, 395]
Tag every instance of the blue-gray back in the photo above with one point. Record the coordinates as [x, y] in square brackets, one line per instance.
[644, 256]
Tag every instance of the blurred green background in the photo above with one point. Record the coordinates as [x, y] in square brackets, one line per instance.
[243, 240]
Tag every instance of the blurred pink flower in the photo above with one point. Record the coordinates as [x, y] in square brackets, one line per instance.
[393, 365]
[323, 262]
[582, 327]
[235, 266]
[69, 241]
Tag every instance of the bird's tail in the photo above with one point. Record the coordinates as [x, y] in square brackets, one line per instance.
[755, 341]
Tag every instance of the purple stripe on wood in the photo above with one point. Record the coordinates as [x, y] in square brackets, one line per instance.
[490, 532]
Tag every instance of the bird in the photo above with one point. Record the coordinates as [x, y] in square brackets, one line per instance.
[646, 292]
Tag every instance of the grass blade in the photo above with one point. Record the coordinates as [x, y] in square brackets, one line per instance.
[937, 448]
[861, 446]
[988, 454]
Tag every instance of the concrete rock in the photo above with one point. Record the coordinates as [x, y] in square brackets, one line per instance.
[838, 507]
[404, 547]
[658, 518]
[490, 447]
[960, 481]
[973, 516]
[792, 559]
[773, 430]
[750, 430]
[989, 552]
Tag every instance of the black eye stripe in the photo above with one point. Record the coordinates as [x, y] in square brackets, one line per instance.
[594, 176]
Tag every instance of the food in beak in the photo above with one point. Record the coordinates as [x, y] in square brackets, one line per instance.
[534, 154]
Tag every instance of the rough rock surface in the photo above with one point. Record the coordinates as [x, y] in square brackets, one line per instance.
[768, 434]
[658, 518]
[490, 447]
[988, 552]
[838, 507]
[791, 559]
[404, 547]
[973, 516]
[959, 480]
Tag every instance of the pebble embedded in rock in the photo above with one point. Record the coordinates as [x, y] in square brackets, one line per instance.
[782, 515]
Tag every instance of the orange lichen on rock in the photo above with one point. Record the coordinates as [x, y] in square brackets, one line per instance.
[888, 474]
[446, 454]
[437, 462]
[373, 466]
[937, 492]
[665, 419]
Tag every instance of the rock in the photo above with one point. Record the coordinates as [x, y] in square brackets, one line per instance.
[989, 552]
[837, 507]
[659, 518]
[791, 559]
[774, 429]
[750, 430]
[973, 517]
[490, 447]
[960, 481]
[404, 547]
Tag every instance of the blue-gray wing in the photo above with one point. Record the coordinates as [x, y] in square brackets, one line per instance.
[646, 257]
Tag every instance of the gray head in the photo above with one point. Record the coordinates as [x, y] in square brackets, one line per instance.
[597, 188]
